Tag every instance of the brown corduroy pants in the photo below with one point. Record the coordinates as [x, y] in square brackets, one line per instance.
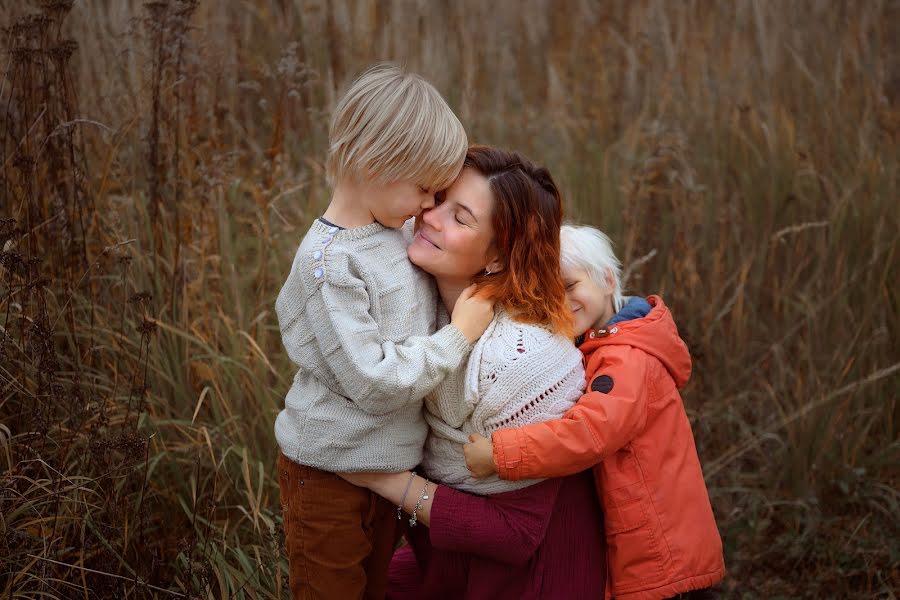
[339, 537]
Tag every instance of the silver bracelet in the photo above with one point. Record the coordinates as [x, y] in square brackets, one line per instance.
[422, 497]
[403, 499]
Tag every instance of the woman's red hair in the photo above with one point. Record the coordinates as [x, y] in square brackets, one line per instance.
[527, 217]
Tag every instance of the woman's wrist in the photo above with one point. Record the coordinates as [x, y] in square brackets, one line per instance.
[390, 485]
[410, 493]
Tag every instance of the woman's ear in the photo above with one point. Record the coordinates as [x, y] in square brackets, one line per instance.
[495, 266]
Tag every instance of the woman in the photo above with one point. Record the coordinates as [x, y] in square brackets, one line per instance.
[497, 226]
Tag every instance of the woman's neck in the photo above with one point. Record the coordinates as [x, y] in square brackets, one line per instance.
[450, 292]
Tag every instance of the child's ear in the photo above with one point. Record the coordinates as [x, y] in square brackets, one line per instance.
[610, 282]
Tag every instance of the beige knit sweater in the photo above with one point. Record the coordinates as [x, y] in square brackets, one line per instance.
[517, 374]
[358, 320]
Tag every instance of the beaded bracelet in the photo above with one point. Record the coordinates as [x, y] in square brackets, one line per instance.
[403, 499]
[423, 497]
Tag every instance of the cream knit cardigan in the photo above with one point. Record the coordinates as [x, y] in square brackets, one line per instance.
[517, 374]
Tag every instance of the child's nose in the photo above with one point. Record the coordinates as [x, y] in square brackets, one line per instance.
[428, 202]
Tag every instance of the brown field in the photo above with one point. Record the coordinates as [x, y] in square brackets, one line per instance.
[161, 160]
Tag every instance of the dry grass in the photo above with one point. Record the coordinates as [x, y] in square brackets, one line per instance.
[160, 161]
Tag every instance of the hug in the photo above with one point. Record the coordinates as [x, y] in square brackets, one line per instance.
[471, 378]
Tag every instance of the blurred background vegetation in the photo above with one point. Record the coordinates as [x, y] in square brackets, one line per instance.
[161, 161]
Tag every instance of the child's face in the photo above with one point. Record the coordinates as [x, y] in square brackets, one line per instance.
[591, 304]
[395, 203]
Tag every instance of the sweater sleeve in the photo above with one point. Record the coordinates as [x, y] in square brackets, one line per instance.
[505, 527]
[380, 376]
[606, 418]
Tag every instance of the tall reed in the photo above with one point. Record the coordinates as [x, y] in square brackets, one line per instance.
[161, 160]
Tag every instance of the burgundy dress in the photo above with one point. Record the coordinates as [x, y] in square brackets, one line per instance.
[542, 542]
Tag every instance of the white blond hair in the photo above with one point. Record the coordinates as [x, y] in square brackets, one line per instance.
[392, 126]
[583, 247]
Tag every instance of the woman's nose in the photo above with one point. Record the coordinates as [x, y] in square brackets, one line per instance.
[431, 217]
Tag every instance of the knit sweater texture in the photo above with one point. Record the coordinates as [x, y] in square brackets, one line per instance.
[358, 319]
[517, 374]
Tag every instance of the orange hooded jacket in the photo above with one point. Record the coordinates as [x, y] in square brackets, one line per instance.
[631, 427]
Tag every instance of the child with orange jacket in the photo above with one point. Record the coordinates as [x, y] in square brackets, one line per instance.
[631, 427]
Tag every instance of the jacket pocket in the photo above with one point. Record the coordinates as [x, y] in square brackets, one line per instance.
[633, 551]
[632, 528]
[625, 517]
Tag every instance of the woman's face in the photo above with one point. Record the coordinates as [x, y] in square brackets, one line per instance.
[454, 240]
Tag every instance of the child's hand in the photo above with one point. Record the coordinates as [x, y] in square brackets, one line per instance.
[472, 314]
[480, 456]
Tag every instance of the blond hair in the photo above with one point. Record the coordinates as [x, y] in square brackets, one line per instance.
[583, 247]
[394, 126]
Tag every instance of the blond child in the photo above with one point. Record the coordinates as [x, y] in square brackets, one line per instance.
[358, 320]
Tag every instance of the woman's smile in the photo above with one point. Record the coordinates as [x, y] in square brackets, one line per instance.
[421, 238]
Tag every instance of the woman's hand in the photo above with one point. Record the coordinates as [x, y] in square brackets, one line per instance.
[480, 456]
[405, 489]
[472, 314]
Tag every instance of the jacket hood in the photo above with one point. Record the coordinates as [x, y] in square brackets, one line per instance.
[655, 334]
[635, 307]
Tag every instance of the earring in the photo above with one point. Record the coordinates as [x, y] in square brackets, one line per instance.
[487, 271]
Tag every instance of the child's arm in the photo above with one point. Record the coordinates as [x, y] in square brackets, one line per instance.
[378, 375]
[607, 417]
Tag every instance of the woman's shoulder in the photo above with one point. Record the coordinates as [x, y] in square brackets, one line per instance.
[527, 337]
[513, 349]
[504, 320]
